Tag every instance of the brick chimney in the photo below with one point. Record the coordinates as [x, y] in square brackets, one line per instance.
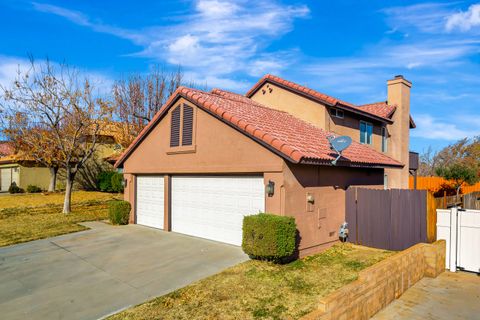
[398, 93]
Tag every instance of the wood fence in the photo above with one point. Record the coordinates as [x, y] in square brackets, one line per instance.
[387, 219]
[471, 201]
[435, 183]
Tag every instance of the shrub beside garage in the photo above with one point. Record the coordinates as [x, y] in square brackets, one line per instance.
[119, 211]
[269, 237]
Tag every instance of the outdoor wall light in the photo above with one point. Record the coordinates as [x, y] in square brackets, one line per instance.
[270, 188]
[310, 198]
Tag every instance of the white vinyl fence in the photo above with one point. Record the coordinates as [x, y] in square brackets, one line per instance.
[461, 230]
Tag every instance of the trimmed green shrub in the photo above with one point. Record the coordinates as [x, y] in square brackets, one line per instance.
[15, 189]
[117, 182]
[33, 189]
[119, 211]
[104, 181]
[269, 237]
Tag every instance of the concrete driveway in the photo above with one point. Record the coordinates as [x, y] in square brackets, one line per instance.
[94, 273]
[449, 296]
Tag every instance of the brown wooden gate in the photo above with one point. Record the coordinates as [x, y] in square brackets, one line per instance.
[387, 219]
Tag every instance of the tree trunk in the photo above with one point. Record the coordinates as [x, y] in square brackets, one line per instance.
[53, 179]
[67, 203]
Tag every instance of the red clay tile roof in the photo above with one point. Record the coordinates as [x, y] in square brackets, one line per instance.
[282, 133]
[381, 109]
[323, 98]
[6, 148]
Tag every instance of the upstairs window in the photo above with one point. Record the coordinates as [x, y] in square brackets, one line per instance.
[366, 130]
[384, 139]
[336, 113]
[181, 126]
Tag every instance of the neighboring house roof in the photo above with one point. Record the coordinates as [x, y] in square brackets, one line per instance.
[282, 133]
[6, 148]
[382, 113]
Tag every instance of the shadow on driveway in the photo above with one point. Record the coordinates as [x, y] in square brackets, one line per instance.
[94, 273]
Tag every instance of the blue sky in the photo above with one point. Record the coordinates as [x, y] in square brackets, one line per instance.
[347, 49]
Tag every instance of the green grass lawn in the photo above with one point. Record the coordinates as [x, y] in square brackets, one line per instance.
[26, 217]
[262, 290]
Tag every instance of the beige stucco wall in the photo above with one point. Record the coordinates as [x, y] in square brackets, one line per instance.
[284, 100]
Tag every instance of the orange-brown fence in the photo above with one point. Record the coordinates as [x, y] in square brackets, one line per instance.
[435, 183]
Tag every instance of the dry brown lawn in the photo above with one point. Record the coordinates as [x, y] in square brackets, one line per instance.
[262, 290]
[27, 217]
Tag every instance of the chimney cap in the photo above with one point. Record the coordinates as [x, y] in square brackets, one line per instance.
[399, 76]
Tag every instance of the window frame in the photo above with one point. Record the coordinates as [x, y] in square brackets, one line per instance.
[368, 140]
[334, 112]
[384, 134]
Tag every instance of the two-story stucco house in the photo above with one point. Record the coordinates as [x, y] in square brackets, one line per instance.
[209, 158]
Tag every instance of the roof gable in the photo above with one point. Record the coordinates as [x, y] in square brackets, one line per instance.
[282, 133]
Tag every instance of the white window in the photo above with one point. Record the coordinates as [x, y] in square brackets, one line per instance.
[366, 130]
[384, 139]
[336, 113]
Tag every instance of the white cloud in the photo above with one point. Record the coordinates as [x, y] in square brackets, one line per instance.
[426, 17]
[10, 67]
[219, 38]
[429, 127]
[464, 20]
[83, 20]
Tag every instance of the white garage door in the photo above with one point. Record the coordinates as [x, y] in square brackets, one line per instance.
[213, 207]
[7, 176]
[150, 200]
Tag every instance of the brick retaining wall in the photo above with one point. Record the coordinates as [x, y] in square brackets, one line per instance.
[382, 283]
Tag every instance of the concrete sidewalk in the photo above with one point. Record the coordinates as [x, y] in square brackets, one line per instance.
[447, 297]
[91, 274]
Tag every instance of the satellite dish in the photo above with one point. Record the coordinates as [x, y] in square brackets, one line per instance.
[339, 144]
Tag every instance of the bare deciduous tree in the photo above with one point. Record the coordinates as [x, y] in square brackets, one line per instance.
[56, 100]
[138, 98]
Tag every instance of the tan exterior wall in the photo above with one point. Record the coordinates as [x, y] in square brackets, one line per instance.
[318, 223]
[382, 283]
[284, 100]
[350, 126]
[38, 176]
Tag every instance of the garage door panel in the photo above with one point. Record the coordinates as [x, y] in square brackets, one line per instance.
[213, 207]
[150, 201]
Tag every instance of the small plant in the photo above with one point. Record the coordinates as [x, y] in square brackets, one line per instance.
[119, 211]
[33, 189]
[269, 237]
[15, 189]
[117, 182]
